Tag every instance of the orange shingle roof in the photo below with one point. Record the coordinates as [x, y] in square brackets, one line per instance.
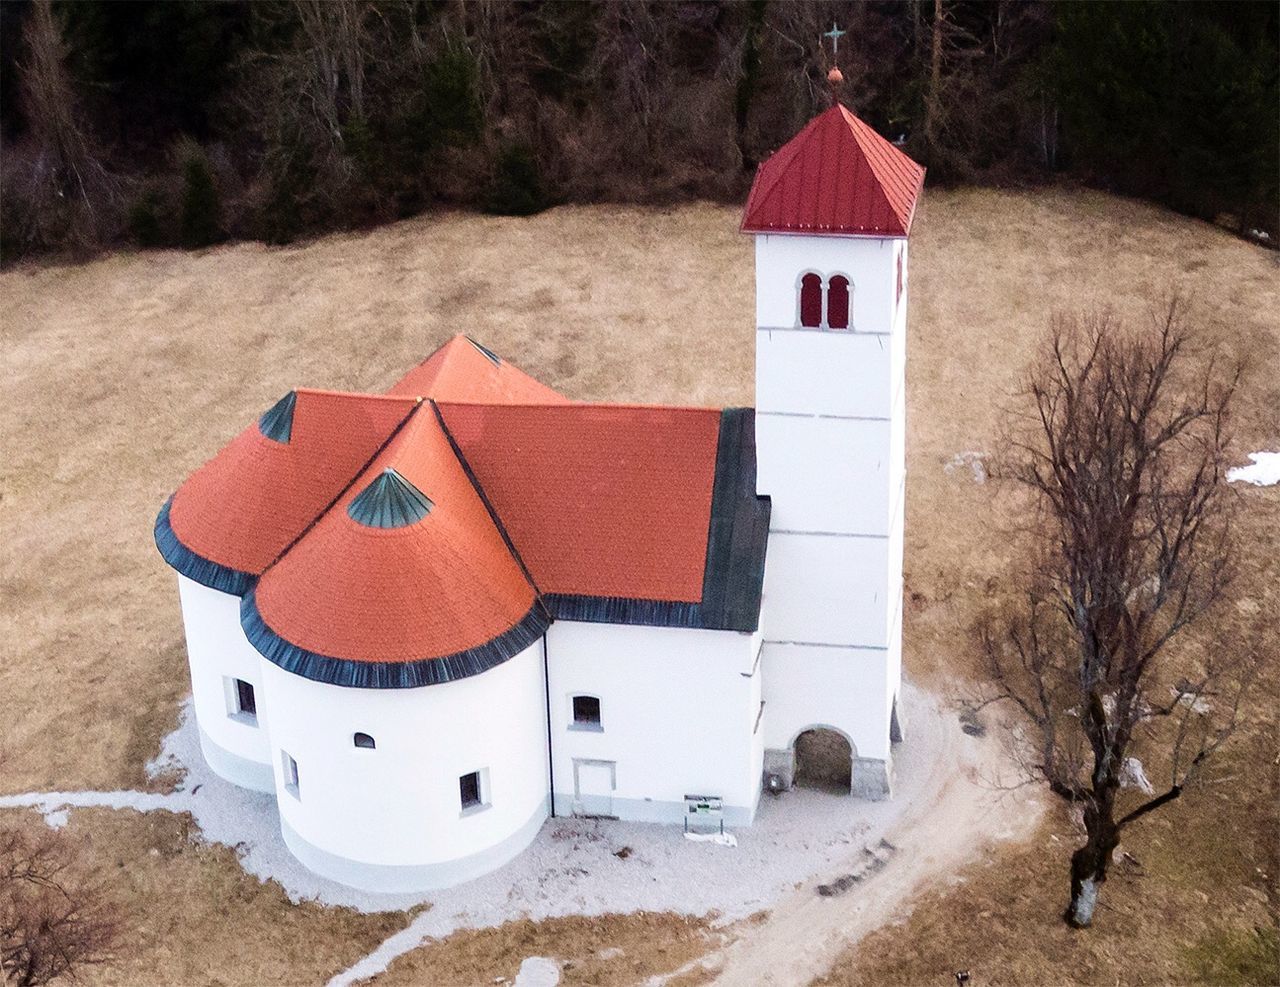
[244, 506]
[837, 176]
[504, 515]
[601, 500]
[463, 370]
[442, 585]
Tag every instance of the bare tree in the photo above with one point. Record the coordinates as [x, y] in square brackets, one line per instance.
[1123, 457]
[66, 187]
[51, 924]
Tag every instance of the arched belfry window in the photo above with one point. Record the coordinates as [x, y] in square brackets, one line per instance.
[365, 741]
[811, 301]
[838, 302]
[825, 305]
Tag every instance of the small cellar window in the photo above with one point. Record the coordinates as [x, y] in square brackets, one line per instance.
[586, 712]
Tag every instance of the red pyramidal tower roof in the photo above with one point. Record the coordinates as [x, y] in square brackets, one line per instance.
[837, 176]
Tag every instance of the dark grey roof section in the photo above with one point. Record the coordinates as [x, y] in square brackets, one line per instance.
[489, 355]
[733, 580]
[276, 422]
[390, 501]
[388, 674]
[193, 566]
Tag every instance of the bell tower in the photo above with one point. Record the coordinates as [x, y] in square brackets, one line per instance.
[831, 212]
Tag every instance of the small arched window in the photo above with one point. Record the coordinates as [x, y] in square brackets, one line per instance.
[838, 302]
[811, 301]
[365, 741]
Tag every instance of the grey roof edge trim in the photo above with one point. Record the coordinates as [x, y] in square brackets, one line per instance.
[194, 566]
[411, 674]
[644, 613]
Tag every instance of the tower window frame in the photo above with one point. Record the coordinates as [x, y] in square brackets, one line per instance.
[824, 302]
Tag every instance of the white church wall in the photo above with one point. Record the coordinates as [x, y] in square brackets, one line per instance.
[852, 493]
[391, 818]
[868, 262]
[235, 744]
[678, 712]
[826, 589]
[839, 687]
[820, 372]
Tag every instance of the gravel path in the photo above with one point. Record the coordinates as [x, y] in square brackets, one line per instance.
[800, 839]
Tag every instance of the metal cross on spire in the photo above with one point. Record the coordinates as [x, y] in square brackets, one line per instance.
[835, 34]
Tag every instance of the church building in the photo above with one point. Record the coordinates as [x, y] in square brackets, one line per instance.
[429, 620]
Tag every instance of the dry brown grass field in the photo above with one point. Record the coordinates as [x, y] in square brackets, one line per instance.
[124, 374]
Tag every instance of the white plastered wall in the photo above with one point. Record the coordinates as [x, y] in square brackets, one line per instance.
[868, 263]
[679, 716]
[391, 818]
[830, 430]
[235, 746]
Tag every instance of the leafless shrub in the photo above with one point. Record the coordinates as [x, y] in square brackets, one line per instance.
[58, 191]
[1123, 458]
[52, 924]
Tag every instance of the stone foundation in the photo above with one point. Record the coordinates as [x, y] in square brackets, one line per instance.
[781, 763]
[872, 778]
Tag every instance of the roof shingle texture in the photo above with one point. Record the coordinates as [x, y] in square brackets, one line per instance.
[837, 176]
[438, 586]
[543, 497]
[600, 500]
[244, 506]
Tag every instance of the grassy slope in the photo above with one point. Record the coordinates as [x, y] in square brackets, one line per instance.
[124, 374]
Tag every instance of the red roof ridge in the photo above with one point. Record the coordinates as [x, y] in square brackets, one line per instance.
[358, 395]
[581, 405]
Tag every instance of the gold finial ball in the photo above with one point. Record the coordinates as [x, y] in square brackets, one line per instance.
[835, 76]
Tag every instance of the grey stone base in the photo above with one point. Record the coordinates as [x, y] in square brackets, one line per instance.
[400, 879]
[655, 811]
[254, 775]
[872, 779]
[780, 762]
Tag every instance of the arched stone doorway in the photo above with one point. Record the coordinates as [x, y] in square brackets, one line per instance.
[824, 760]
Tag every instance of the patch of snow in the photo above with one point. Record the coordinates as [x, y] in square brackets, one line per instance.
[1197, 703]
[1264, 471]
[973, 461]
[538, 971]
[720, 839]
[1132, 775]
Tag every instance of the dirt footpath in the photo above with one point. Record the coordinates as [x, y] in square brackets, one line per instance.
[957, 808]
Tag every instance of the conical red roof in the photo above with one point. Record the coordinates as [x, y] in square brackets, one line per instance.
[243, 508]
[839, 177]
[442, 584]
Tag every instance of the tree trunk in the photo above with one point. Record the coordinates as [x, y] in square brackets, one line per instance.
[1089, 865]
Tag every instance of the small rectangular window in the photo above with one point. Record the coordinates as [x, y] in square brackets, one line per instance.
[242, 704]
[473, 791]
[289, 768]
[586, 713]
[244, 698]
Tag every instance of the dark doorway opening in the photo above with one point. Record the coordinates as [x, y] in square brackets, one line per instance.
[824, 760]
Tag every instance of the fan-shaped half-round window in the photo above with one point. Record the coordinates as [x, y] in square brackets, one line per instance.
[838, 302]
[364, 740]
[811, 301]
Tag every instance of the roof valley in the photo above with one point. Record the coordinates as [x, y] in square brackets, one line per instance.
[345, 488]
[488, 506]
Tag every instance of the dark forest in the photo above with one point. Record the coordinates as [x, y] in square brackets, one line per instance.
[184, 124]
